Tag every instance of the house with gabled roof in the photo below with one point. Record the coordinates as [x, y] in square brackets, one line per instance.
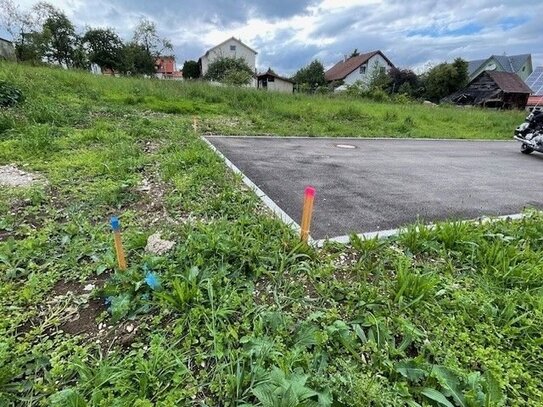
[517, 64]
[358, 68]
[231, 48]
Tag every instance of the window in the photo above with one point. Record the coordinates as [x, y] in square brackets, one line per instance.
[382, 69]
[232, 47]
[523, 68]
[362, 69]
[271, 79]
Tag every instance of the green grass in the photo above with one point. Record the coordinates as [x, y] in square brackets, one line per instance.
[245, 315]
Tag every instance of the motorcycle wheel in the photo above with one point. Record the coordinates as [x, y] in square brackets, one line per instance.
[524, 149]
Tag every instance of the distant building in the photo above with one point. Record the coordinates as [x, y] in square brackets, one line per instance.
[517, 64]
[7, 50]
[358, 68]
[231, 48]
[269, 80]
[166, 68]
[493, 89]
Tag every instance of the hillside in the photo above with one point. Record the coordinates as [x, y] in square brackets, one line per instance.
[245, 111]
[242, 313]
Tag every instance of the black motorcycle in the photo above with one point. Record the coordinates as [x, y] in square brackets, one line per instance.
[530, 133]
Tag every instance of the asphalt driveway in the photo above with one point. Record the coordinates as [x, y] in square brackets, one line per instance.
[367, 185]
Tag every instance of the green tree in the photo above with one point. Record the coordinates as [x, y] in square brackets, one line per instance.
[105, 48]
[310, 76]
[147, 36]
[137, 60]
[23, 28]
[233, 71]
[191, 70]
[59, 37]
[378, 78]
[444, 79]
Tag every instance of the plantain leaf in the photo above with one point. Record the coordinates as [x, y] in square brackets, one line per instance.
[436, 396]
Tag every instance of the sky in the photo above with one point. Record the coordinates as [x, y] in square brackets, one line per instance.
[289, 34]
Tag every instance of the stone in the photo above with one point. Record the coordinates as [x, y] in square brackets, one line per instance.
[158, 246]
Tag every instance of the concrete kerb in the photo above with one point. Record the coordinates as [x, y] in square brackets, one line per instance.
[285, 218]
[280, 213]
[383, 234]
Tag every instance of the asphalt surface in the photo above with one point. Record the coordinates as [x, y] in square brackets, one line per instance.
[385, 184]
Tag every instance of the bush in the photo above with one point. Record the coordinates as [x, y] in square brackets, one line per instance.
[9, 95]
[233, 71]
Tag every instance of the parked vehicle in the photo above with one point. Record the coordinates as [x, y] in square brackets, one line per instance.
[530, 133]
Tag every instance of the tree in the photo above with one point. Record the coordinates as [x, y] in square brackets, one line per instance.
[233, 71]
[59, 37]
[444, 79]
[147, 36]
[378, 78]
[191, 70]
[402, 80]
[105, 48]
[136, 60]
[22, 26]
[311, 76]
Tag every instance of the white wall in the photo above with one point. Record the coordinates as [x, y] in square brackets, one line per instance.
[375, 62]
[280, 85]
[224, 50]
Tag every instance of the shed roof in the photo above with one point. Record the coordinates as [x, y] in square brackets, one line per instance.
[270, 72]
[508, 82]
[343, 68]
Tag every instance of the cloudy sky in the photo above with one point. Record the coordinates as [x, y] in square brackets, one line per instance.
[289, 34]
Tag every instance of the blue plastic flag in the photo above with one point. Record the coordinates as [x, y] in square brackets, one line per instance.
[152, 280]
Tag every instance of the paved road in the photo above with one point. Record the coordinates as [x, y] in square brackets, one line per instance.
[384, 184]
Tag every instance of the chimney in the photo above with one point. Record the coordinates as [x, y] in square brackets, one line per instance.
[344, 57]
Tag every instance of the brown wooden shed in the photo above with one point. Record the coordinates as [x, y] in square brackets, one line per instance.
[493, 89]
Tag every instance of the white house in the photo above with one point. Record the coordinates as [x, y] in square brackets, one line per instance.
[358, 68]
[231, 48]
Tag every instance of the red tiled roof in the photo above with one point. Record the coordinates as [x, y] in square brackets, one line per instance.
[343, 68]
[535, 100]
[509, 82]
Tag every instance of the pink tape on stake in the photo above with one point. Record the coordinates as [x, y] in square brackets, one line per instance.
[309, 191]
[307, 211]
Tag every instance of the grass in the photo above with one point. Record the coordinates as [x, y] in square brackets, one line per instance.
[245, 315]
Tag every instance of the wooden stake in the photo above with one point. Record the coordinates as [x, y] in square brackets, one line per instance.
[116, 226]
[307, 213]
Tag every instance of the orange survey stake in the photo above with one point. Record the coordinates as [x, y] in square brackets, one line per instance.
[116, 226]
[309, 197]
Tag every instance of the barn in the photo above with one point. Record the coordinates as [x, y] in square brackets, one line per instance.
[503, 90]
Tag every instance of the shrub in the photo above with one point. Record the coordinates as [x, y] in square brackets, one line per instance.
[9, 95]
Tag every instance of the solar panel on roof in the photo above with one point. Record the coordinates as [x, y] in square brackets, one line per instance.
[535, 81]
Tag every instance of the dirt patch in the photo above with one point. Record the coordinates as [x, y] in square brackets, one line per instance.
[85, 322]
[12, 176]
[62, 288]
